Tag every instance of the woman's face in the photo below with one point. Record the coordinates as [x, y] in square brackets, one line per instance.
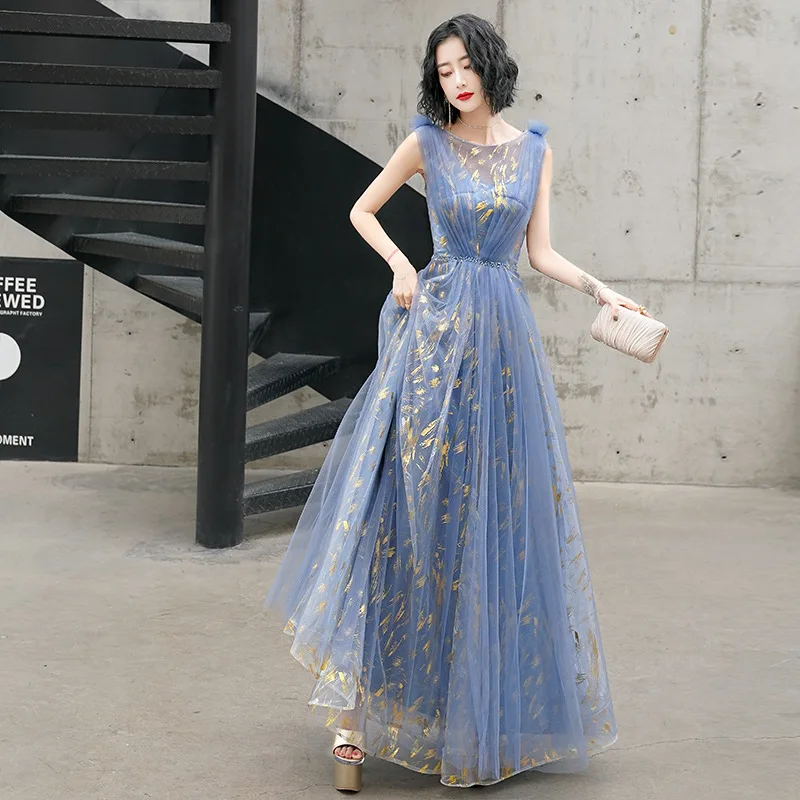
[460, 83]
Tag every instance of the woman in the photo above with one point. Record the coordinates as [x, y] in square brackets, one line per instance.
[436, 584]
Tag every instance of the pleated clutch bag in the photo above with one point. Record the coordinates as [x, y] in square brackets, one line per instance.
[634, 333]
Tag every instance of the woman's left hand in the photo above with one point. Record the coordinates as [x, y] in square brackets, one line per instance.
[615, 300]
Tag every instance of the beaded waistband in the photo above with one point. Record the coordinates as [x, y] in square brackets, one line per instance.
[441, 256]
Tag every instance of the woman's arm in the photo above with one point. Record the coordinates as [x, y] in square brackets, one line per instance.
[541, 255]
[546, 260]
[404, 162]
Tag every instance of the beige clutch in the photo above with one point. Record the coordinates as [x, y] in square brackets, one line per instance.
[634, 333]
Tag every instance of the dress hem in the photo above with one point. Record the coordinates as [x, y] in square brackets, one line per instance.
[590, 752]
[533, 768]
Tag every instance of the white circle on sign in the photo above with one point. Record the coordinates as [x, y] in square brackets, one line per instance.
[10, 356]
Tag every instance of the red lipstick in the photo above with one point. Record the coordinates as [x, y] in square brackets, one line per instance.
[464, 96]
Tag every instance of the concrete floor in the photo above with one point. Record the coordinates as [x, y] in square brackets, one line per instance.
[135, 665]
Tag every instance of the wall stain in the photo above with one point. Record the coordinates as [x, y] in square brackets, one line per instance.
[554, 352]
[568, 184]
[745, 17]
[628, 182]
[650, 399]
[183, 404]
[569, 389]
[186, 328]
[547, 290]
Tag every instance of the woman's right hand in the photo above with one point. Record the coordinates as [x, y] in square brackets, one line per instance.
[404, 283]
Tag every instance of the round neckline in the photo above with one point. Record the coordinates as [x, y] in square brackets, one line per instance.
[484, 144]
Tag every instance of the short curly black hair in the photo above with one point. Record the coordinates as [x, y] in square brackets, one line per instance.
[489, 57]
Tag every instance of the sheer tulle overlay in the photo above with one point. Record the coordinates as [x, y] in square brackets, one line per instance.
[436, 584]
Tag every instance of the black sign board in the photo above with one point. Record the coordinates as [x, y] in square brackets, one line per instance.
[41, 311]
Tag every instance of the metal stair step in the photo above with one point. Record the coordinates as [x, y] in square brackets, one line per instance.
[196, 125]
[99, 75]
[280, 491]
[309, 426]
[185, 294]
[283, 373]
[73, 205]
[179, 292]
[66, 167]
[140, 247]
[112, 27]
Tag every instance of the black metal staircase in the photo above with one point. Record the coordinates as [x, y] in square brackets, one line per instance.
[175, 240]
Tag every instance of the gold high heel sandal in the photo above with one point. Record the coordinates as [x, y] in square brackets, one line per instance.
[347, 771]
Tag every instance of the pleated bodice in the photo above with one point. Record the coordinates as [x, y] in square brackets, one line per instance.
[480, 196]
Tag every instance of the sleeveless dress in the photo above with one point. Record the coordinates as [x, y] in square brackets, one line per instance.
[436, 584]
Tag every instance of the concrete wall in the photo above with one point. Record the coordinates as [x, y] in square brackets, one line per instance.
[673, 127]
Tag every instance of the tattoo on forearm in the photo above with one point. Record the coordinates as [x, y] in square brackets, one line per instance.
[588, 284]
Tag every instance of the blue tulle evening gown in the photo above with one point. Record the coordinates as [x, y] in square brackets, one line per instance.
[436, 584]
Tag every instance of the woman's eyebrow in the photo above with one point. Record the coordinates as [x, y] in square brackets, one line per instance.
[447, 63]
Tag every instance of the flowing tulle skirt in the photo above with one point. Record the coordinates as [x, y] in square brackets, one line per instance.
[436, 584]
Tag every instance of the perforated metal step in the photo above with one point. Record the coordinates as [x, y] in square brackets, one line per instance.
[200, 125]
[94, 75]
[72, 205]
[283, 373]
[65, 167]
[140, 247]
[309, 426]
[112, 27]
[182, 293]
[281, 491]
